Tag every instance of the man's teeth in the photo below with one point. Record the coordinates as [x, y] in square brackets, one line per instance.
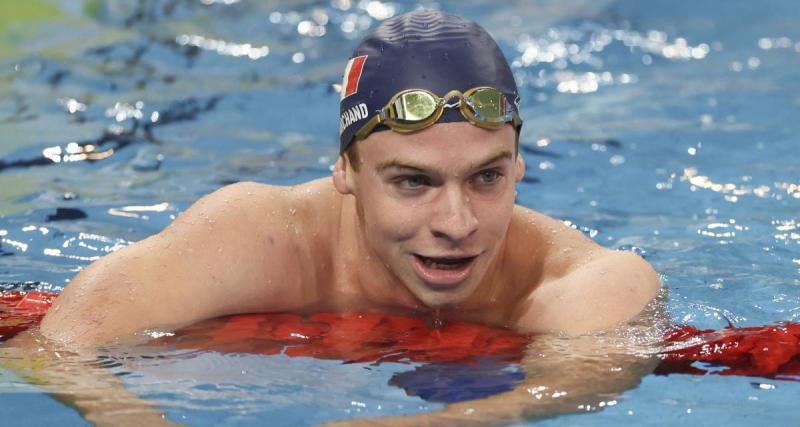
[444, 265]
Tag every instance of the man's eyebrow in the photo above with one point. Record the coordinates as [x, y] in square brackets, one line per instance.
[502, 155]
[402, 164]
[407, 164]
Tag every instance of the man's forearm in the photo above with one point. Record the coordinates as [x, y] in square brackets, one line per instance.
[78, 381]
[562, 375]
[553, 393]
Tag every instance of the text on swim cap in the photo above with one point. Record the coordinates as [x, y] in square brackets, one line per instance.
[352, 115]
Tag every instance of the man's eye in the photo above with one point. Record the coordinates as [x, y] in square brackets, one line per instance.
[414, 181]
[488, 177]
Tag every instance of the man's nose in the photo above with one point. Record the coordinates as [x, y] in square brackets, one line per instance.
[454, 219]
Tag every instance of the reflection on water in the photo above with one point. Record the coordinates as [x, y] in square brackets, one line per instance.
[669, 130]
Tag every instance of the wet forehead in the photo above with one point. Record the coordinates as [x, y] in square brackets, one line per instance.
[450, 147]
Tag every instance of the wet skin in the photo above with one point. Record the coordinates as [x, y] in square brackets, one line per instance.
[427, 224]
[433, 208]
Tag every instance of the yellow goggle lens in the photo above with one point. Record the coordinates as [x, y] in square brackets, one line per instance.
[415, 106]
[488, 105]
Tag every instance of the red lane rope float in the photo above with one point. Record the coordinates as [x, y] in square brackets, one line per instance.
[351, 337]
[21, 310]
[765, 351]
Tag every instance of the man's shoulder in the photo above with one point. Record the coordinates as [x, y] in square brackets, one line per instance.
[554, 244]
[582, 286]
[269, 202]
[286, 215]
[315, 190]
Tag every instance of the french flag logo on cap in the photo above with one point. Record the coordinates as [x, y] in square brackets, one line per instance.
[352, 74]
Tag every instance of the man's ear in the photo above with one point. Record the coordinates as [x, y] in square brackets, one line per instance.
[520, 162]
[342, 175]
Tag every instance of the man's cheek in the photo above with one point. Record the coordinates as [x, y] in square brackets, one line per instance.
[396, 223]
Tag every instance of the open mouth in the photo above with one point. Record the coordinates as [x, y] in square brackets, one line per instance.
[445, 263]
[443, 272]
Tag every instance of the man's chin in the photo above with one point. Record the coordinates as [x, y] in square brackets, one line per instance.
[441, 298]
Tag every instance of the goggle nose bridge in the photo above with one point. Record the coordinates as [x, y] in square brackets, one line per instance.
[450, 95]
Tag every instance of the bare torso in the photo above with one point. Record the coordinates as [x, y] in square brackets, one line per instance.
[257, 248]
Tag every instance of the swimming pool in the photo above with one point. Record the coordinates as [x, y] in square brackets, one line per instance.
[669, 129]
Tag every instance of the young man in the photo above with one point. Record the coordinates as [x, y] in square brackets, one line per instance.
[419, 218]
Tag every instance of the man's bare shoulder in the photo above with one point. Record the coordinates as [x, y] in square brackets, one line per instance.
[262, 207]
[242, 248]
[582, 285]
[249, 221]
[549, 243]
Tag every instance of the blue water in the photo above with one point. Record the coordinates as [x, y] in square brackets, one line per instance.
[665, 128]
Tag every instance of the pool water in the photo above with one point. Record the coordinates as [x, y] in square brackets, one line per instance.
[670, 129]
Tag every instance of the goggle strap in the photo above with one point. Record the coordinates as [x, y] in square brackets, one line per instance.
[368, 127]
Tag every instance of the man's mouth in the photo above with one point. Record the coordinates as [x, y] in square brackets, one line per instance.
[445, 263]
[443, 272]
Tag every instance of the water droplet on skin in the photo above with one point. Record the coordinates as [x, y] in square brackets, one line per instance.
[438, 323]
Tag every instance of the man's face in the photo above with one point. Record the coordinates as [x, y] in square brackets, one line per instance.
[435, 205]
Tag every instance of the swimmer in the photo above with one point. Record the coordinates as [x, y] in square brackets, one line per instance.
[419, 217]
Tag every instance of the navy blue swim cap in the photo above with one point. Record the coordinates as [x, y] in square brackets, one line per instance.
[425, 49]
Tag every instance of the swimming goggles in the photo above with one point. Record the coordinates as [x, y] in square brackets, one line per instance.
[415, 109]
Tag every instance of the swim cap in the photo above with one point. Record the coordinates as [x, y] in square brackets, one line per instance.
[425, 49]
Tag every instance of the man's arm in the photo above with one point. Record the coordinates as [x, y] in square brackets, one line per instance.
[563, 375]
[583, 286]
[79, 381]
[574, 374]
[236, 250]
[600, 292]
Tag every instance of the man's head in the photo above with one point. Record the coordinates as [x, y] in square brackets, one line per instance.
[428, 50]
[434, 204]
